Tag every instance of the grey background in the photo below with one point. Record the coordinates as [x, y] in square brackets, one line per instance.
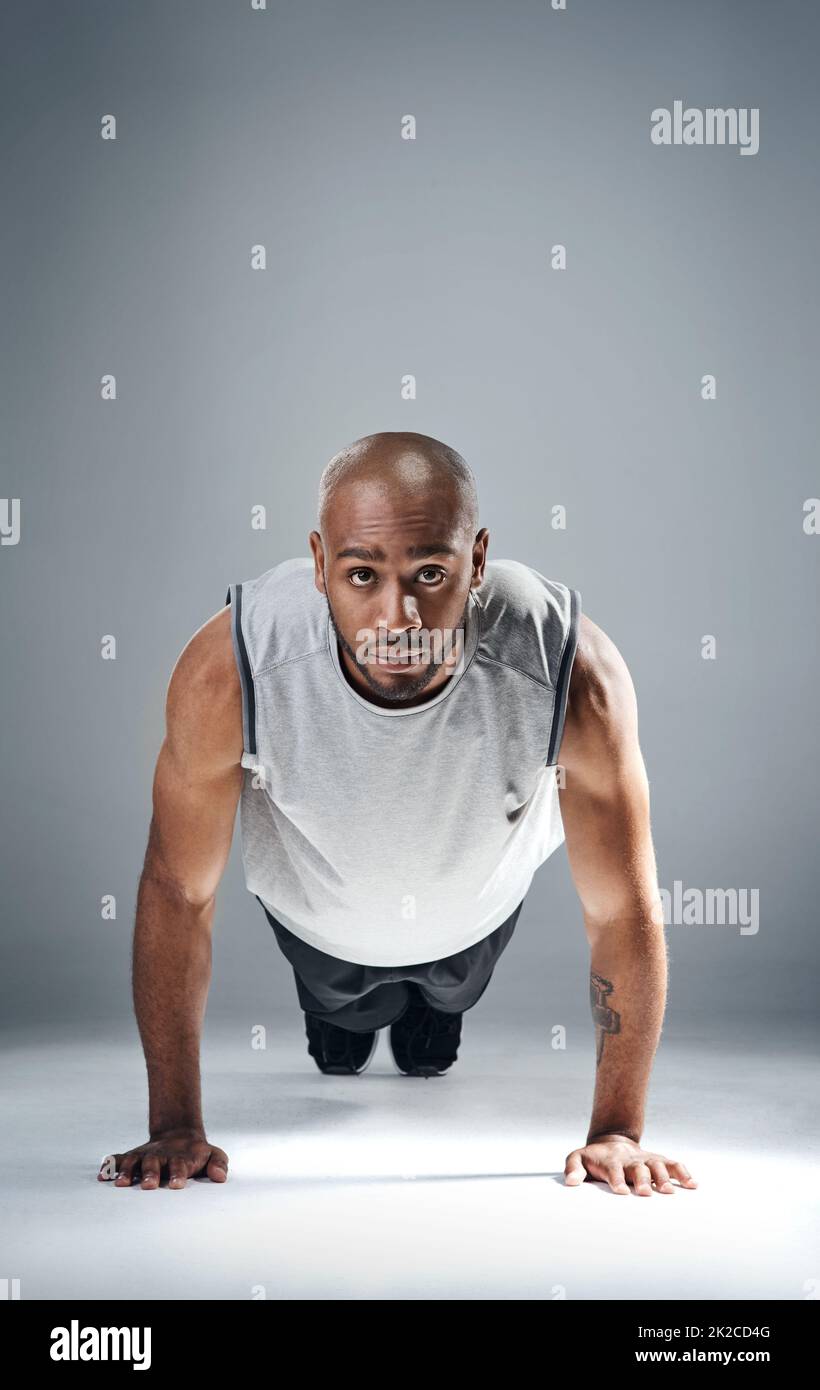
[388, 257]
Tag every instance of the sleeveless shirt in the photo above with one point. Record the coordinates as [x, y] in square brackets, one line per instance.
[396, 836]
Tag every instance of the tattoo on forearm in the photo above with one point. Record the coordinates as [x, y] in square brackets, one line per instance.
[606, 1020]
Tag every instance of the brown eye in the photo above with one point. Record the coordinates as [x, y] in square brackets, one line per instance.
[433, 570]
[353, 578]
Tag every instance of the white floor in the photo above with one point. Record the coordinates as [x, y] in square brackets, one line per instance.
[391, 1187]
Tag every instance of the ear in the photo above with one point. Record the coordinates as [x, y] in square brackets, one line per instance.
[318, 561]
[479, 557]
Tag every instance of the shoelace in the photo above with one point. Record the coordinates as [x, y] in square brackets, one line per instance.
[432, 1024]
[342, 1054]
[338, 1055]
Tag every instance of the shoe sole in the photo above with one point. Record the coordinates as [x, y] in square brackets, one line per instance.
[371, 1055]
[418, 1071]
[348, 1071]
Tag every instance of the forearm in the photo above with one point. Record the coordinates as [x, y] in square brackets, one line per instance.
[171, 977]
[628, 976]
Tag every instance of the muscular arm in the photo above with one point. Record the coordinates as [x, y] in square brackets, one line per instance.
[196, 789]
[605, 810]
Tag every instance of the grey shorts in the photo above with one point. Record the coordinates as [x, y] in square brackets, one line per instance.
[366, 997]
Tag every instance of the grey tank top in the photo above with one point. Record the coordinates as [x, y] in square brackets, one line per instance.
[399, 836]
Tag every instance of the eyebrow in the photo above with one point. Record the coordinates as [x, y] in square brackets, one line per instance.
[415, 552]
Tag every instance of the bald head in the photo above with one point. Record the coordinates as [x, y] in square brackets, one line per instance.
[398, 552]
[400, 463]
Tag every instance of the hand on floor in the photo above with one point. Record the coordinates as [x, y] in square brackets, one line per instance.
[619, 1161]
[182, 1153]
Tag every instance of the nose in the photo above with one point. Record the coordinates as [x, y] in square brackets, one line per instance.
[399, 612]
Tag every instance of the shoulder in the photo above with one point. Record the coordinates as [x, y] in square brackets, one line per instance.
[283, 615]
[203, 703]
[600, 676]
[511, 588]
[526, 619]
[601, 716]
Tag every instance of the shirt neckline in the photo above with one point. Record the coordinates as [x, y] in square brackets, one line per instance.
[471, 639]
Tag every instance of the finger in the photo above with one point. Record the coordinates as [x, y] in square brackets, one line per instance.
[217, 1169]
[151, 1170]
[614, 1175]
[178, 1169]
[641, 1178]
[108, 1167]
[126, 1169]
[574, 1170]
[660, 1177]
[681, 1172]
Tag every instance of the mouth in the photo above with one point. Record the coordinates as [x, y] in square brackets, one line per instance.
[399, 667]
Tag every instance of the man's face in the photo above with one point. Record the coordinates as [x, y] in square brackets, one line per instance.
[396, 567]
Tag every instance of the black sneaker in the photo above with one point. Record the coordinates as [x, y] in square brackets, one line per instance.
[338, 1051]
[424, 1041]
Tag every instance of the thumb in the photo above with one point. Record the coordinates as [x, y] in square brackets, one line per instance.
[574, 1172]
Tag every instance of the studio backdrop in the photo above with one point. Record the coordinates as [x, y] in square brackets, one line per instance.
[578, 243]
